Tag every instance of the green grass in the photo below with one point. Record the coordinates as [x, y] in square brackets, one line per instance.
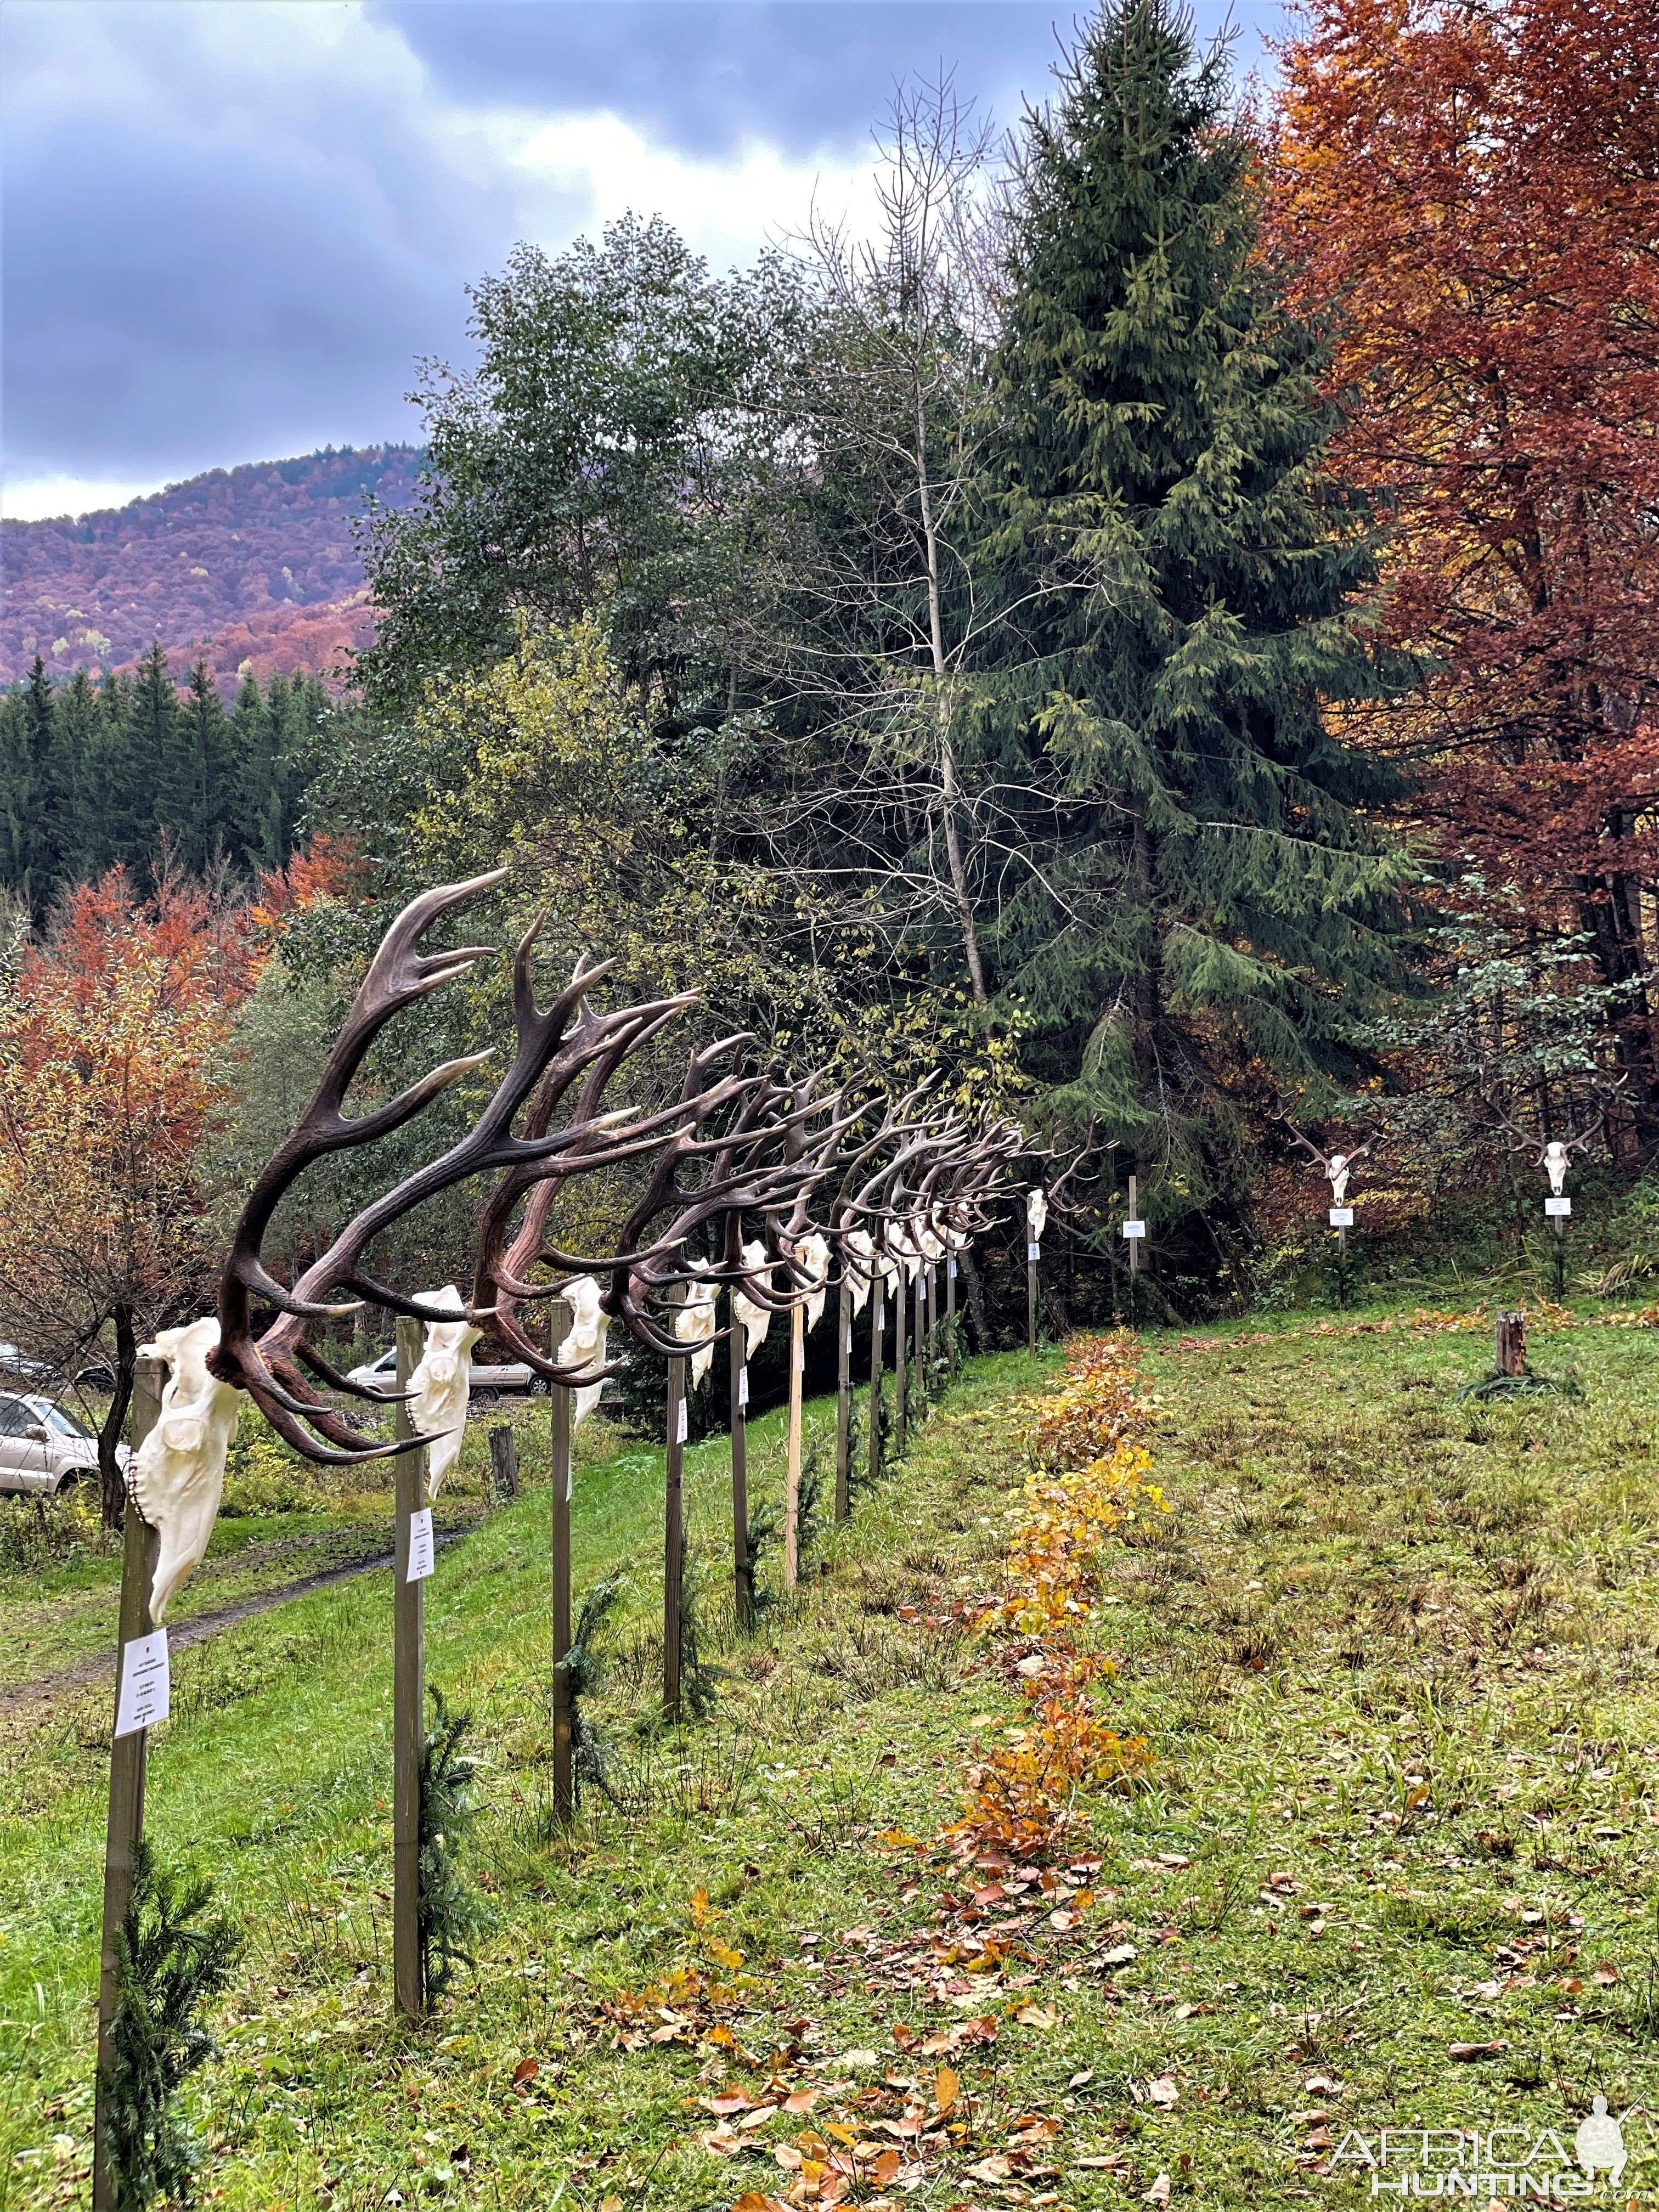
[1395, 1654]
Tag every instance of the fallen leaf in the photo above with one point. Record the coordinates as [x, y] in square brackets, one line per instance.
[1063, 1920]
[759, 2117]
[610, 2204]
[990, 2170]
[1081, 2081]
[723, 2106]
[1163, 2090]
[1606, 1973]
[945, 2085]
[721, 2142]
[1159, 2192]
[1037, 2016]
[801, 2100]
[1123, 1954]
[787, 2157]
[1476, 2050]
[1102, 2160]
[884, 2166]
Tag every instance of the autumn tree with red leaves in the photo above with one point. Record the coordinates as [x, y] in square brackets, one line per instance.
[1476, 189]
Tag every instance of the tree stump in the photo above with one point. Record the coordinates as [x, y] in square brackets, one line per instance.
[1511, 1344]
[503, 1465]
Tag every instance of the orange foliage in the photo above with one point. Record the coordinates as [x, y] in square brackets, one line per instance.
[1477, 190]
[1091, 1472]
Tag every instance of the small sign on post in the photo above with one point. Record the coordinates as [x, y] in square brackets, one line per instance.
[1557, 1209]
[422, 1555]
[1342, 1217]
[146, 1683]
[1135, 1229]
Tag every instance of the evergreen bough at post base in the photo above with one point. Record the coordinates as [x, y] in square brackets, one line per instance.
[171, 1963]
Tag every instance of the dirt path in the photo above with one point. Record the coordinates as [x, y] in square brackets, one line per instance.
[196, 1630]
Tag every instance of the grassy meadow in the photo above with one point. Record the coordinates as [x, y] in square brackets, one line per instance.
[1393, 1861]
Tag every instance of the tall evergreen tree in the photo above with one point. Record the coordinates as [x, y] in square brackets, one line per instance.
[197, 803]
[1185, 586]
[145, 757]
[75, 800]
[41, 814]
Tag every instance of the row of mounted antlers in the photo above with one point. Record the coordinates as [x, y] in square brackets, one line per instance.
[830, 1180]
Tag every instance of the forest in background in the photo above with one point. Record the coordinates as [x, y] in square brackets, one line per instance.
[1158, 633]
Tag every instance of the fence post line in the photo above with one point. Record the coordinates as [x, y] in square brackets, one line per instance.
[559, 1423]
[408, 1700]
[127, 1762]
[843, 1397]
[674, 1538]
[792, 1473]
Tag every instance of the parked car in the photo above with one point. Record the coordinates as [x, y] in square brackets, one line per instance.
[43, 1448]
[489, 1384]
[13, 1361]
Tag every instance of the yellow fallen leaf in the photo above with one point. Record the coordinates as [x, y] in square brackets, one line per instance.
[945, 2085]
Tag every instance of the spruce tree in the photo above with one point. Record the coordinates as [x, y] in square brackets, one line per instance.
[199, 799]
[1182, 587]
[76, 798]
[149, 773]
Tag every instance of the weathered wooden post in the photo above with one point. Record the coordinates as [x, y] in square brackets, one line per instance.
[142, 1680]
[920, 1344]
[1511, 1346]
[673, 1539]
[412, 1563]
[1037, 1213]
[1134, 1232]
[843, 1396]
[792, 1473]
[931, 1272]
[877, 1289]
[503, 1465]
[560, 1316]
[901, 1325]
[739, 1409]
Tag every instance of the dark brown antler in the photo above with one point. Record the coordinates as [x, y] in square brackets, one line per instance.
[269, 1368]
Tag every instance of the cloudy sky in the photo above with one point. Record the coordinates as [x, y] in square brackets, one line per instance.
[232, 226]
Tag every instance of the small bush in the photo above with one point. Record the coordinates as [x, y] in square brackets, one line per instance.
[452, 1914]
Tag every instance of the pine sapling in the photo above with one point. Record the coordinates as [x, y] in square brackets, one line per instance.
[584, 1667]
[171, 1962]
[452, 1913]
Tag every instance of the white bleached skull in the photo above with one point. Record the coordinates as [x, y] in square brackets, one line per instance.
[861, 1271]
[584, 1343]
[1037, 1213]
[906, 1250]
[1555, 1166]
[1338, 1168]
[177, 1476]
[756, 1319]
[694, 1324]
[441, 1384]
[813, 1254]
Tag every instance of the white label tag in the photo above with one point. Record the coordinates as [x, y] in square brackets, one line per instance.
[742, 1387]
[421, 1558]
[800, 1357]
[1033, 1251]
[1557, 1209]
[1135, 1229]
[849, 1340]
[953, 1266]
[1342, 1217]
[146, 1683]
[683, 1426]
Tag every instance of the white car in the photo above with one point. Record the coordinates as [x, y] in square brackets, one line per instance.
[488, 1383]
[43, 1448]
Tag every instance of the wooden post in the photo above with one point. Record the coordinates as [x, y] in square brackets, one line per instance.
[792, 1474]
[921, 1338]
[739, 1379]
[873, 1445]
[1031, 1291]
[901, 1324]
[673, 1539]
[1511, 1348]
[127, 1761]
[503, 1465]
[843, 1398]
[564, 1789]
[408, 1702]
[931, 1280]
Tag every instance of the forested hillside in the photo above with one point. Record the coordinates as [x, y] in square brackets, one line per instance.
[252, 567]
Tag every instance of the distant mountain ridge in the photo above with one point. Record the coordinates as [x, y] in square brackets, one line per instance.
[248, 568]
